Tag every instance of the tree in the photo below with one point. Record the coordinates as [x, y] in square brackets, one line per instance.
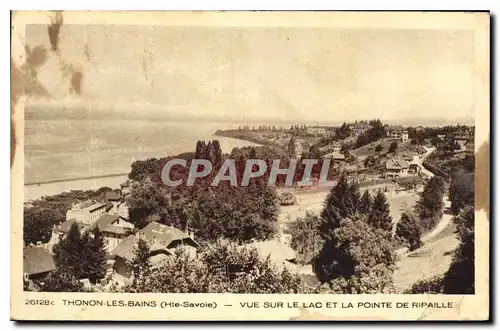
[379, 216]
[393, 147]
[357, 259]
[460, 277]
[379, 148]
[291, 147]
[59, 281]
[369, 161]
[461, 190]
[432, 285]
[38, 224]
[343, 132]
[366, 203]
[68, 252]
[94, 255]
[374, 133]
[306, 239]
[223, 268]
[81, 254]
[140, 264]
[341, 202]
[429, 207]
[408, 231]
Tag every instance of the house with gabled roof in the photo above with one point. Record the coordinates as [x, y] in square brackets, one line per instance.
[37, 262]
[163, 241]
[395, 168]
[114, 228]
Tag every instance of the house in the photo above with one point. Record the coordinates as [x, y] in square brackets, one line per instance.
[316, 131]
[336, 156]
[114, 228]
[395, 168]
[114, 199]
[87, 212]
[334, 147]
[358, 128]
[37, 262]
[63, 228]
[398, 133]
[441, 136]
[162, 240]
[461, 139]
[299, 149]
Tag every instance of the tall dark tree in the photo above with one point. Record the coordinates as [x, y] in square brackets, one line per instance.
[343, 132]
[393, 147]
[68, 252]
[140, 264]
[291, 147]
[460, 277]
[461, 190]
[341, 202]
[366, 203]
[408, 231]
[430, 205]
[379, 216]
[95, 255]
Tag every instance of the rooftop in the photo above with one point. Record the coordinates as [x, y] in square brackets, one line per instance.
[112, 196]
[335, 156]
[396, 164]
[66, 225]
[158, 236]
[105, 224]
[37, 260]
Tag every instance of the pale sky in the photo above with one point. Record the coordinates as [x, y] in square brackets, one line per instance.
[303, 74]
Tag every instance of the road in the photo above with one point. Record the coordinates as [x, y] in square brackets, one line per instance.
[428, 150]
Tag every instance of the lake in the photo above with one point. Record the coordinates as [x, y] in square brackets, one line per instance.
[69, 151]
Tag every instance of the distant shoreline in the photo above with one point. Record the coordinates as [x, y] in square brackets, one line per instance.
[74, 179]
[233, 135]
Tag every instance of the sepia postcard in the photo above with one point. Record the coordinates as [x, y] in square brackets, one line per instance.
[265, 166]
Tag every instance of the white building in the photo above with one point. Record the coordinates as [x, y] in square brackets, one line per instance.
[87, 212]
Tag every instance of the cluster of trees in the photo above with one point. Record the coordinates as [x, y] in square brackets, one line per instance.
[425, 216]
[305, 237]
[222, 268]
[376, 132]
[355, 231]
[234, 212]
[421, 134]
[343, 132]
[78, 255]
[41, 215]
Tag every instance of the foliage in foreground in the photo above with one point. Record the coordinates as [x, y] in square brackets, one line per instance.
[222, 268]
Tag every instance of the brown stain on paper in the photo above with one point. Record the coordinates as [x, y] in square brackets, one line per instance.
[482, 178]
[54, 29]
[24, 77]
